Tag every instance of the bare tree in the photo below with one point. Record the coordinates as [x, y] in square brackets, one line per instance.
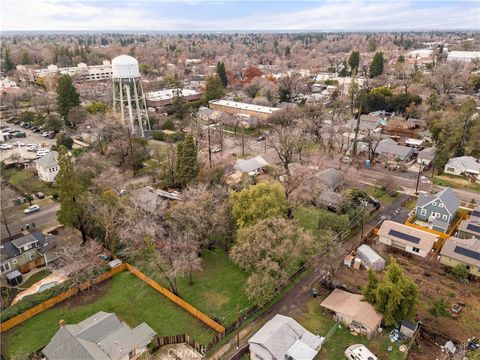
[446, 77]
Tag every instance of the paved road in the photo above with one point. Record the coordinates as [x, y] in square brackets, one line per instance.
[16, 218]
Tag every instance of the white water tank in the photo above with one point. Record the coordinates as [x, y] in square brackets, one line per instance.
[125, 67]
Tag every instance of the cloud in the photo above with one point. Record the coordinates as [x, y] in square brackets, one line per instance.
[48, 15]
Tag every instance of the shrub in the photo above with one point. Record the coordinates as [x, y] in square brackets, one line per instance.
[159, 135]
[459, 272]
[168, 125]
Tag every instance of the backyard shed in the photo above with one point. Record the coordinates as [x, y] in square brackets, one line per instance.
[408, 328]
[14, 278]
[370, 258]
[352, 311]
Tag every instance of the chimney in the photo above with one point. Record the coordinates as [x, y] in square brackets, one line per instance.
[61, 323]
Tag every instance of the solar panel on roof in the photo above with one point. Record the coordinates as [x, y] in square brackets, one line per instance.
[467, 252]
[476, 213]
[473, 227]
[404, 236]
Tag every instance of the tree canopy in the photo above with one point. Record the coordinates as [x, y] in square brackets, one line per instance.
[67, 95]
[259, 202]
[395, 296]
[376, 66]
[186, 167]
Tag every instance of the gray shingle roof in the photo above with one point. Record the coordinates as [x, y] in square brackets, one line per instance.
[427, 153]
[48, 160]
[279, 334]
[101, 336]
[447, 196]
[332, 178]
[390, 147]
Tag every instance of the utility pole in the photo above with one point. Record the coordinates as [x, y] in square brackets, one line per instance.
[243, 141]
[364, 206]
[418, 176]
[209, 148]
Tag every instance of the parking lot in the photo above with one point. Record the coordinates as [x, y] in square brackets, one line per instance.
[20, 145]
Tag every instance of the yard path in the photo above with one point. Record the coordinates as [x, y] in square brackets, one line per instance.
[294, 300]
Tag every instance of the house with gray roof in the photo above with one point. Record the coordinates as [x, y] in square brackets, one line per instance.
[392, 150]
[439, 210]
[469, 228]
[284, 338]
[426, 156]
[101, 336]
[31, 247]
[47, 166]
[464, 165]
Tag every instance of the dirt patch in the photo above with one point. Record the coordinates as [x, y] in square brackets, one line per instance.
[88, 296]
[434, 283]
[214, 298]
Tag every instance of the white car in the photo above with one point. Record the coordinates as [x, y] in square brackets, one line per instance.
[216, 149]
[42, 152]
[31, 148]
[45, 133]
[32, 209]
[6, 147]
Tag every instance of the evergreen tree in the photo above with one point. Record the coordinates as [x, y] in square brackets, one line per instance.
[70, 190]
[8, 64]
[354, 61]
[214, 89]
[376, 66]
[396, 295]
[67, 95]
[287, 51]
[186, 167]
[222, 73]
[369, 292]
[372, 44]
[439, 308]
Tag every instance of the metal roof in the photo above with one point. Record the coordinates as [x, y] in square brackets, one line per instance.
[48, 160]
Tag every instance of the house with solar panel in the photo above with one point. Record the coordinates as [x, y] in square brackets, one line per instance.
[438, 210]
[457, 251]
[469, 228]
[406, 238]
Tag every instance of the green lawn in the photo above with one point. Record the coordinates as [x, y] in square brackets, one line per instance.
[333, 349]
[456, 182]
[383, 196]
[127, 296]
[27, 182]
[218, 289]
[34, 278]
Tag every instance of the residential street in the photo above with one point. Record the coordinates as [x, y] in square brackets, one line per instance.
[16, 218]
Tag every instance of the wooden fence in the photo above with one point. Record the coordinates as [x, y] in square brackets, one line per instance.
[177, 300]
[10, 323]
[38, 262]
[17, 320]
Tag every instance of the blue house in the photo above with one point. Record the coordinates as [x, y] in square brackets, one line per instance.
[439, 210]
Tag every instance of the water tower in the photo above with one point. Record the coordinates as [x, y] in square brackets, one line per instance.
[128, 96]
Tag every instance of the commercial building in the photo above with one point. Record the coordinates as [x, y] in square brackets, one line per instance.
[463, 56]
[165, 97]
[81, 72]
[233, 107]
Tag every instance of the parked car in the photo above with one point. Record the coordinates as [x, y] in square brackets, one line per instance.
[40, 195]
[31, 148]
[45, 133]
[41, 152]
[51, 135]
[5, 147]
[20, 134]
[16, 122]
[32, 209]
[216, 149]
[261, 138]
[35, 129]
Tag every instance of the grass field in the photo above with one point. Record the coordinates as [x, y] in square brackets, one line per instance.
[333, 349]
[34, 278]
[456, 182]
[127, 296]
[382, 195]
[218, 289]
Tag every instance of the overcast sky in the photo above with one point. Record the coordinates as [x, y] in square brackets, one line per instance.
[238, 15]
